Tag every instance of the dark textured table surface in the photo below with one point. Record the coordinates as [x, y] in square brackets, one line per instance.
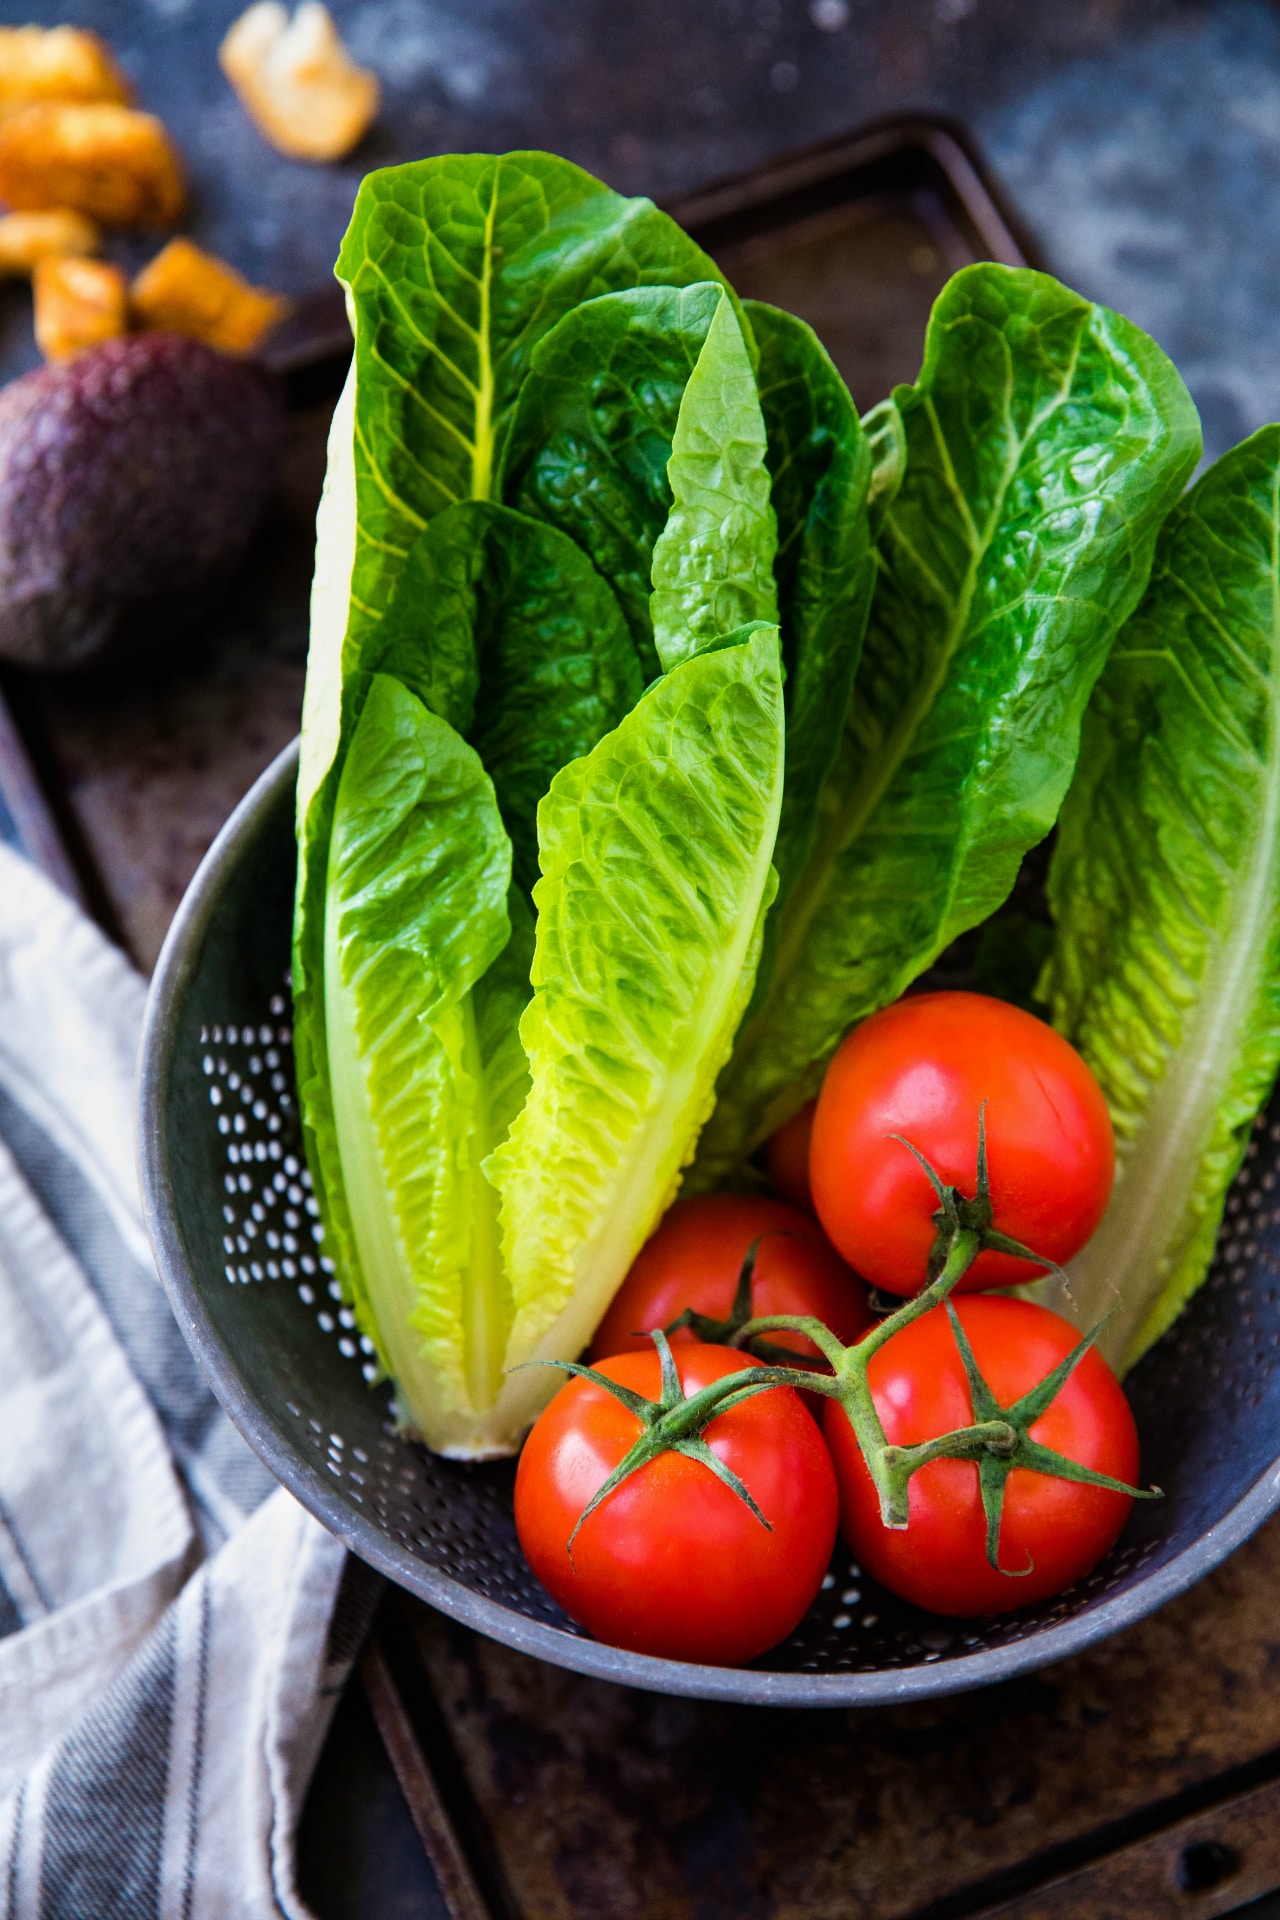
[603, 1801]
[1140, 142]
[1140, 138]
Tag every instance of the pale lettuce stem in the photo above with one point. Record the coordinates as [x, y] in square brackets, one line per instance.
[383, 1255]
[487, 1305]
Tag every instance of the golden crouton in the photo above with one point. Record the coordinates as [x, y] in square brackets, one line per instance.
[107, 161]
[28, 237]
[297, 81]
[78, 303]
[56, 63]
[187, 291]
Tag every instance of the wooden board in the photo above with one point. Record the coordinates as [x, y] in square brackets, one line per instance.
[599, 1800]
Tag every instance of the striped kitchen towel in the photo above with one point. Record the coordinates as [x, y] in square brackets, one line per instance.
[174, 1629]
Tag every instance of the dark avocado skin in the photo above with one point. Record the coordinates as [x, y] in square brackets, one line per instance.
[131, 480]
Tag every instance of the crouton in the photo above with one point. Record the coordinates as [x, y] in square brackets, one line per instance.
[56, 63]
[297, 81]
[107, 161]
[187, 291]
[26, 238]
[77, 304]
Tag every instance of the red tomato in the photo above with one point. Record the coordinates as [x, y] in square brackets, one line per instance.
[1056, 1528]
[787, 1156]
[673, 1562]
[694, 1258]
[922, 1068]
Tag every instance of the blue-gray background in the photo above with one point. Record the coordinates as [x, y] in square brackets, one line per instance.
[1140, 141]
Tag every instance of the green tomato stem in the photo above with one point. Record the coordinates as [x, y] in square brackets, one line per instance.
[999, 1438]
[849, 1385]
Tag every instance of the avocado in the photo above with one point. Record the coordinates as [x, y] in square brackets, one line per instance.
[131, 479]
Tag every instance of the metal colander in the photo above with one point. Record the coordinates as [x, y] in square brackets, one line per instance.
[234, 1227]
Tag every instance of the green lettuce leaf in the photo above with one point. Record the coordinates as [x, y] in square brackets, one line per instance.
[1046, 440]
[589, 451]
[820, 467]
[503, 627]
[419, 1010]
[713, 561]
[887, 439]
[495, 618]
[592, 431]
[656, 854]
[1165, 887]
[455, 268]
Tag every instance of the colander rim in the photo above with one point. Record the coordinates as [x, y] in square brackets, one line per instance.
[1040, 1646]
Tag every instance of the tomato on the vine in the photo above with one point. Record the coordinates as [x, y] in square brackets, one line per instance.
[786, 1156]
[673, 1562]
[1052, 1531]
[923, 1069]
[694, 1260]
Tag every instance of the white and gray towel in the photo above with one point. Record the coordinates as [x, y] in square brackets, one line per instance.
[174, 1629]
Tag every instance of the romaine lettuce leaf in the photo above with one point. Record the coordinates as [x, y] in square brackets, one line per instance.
[455, 267]
[887, 439]
[1165, 886]
[496, 618]
[592, 431]
[713, 561]
[503, 627]
[589, 451]
[820, 467]
[656, 851]
[1046, 440]
[419, 1010]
